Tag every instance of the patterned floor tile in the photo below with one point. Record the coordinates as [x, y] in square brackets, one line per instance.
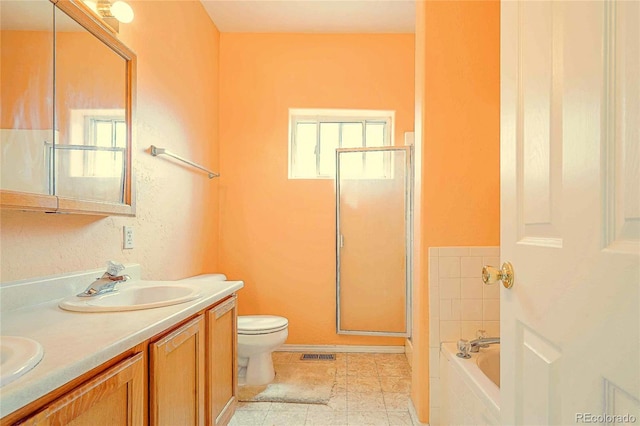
[370, 389]
[285, 418]
[399, 384]
[366, 418]
[248, 418]
[358, 383]
[396, 401]
[399, 418]
[365, 401]
[326, 418]
[254, 406]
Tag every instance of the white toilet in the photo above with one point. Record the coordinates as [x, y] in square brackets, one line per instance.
[258, 337]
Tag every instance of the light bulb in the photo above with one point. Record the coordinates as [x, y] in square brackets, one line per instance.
[122, 11]
[92, 5]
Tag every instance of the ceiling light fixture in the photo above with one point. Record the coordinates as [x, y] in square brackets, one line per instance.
[111, 13]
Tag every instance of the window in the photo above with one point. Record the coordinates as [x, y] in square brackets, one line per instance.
[98, 140]
[315, 135]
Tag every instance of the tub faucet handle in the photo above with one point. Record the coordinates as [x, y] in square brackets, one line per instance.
[481, 334]
[463, 349]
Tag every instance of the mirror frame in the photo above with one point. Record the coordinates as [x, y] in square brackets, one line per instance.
[84, 16]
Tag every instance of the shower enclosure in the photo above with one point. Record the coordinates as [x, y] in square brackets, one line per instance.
[374, 240]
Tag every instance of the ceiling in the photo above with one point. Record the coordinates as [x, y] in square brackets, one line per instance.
[261, 16]
[312, 16]
[34, 15]
[23, 15]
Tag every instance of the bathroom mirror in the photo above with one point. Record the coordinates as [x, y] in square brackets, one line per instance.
[85, 161]
[26, 102]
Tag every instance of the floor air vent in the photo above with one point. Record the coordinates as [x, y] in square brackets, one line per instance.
[318, 357]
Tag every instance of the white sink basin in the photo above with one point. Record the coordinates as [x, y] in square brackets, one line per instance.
[131, 298]
[18, 355]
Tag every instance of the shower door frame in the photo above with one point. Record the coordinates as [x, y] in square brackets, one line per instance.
[409, 172]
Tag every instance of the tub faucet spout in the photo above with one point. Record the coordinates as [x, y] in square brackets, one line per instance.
[107, 282]
[482, 342]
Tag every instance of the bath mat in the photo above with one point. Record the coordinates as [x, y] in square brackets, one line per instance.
[294, 383]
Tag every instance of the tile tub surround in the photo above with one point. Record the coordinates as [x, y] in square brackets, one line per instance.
[370, 389]
[74, 342]
[459, 304]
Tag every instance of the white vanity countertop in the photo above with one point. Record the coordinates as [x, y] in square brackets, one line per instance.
[76, 342]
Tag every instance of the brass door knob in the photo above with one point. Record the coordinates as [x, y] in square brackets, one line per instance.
[491, 275]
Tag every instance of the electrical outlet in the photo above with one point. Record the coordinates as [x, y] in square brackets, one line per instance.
[128, 237]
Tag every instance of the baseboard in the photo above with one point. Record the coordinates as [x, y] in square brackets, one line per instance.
[342, 348]
[408, 351]
[414, 415]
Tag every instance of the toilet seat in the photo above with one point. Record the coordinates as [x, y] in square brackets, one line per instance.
[261, 324]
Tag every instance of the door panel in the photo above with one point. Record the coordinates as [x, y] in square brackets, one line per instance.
[114, 397]
[621, 167]
[222, 361]
[570, 327]
[177, 376]
[539, 120]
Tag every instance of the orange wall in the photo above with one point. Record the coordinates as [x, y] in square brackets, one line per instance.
[461, 155]
[277, 234]
[460, 137]
[177, 207]
[27, 80]
[81, 60]
[420, 334]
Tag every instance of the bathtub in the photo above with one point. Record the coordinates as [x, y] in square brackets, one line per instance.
[470, 392]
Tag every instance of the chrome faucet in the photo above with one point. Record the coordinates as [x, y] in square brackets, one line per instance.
[464, 346]
[107, 282]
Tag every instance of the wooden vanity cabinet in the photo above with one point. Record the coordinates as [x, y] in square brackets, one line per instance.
[177, 376]
[193, 370]
[114, 397]
[188, 372]
[222, 361]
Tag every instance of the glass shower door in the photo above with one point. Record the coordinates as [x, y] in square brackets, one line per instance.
[373, 241]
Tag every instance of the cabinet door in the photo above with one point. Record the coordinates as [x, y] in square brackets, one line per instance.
[114, 397]
[222, 361]
[176, 376]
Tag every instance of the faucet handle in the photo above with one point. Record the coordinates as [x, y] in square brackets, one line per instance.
[114, 268]
[481, 334]
[463, 349]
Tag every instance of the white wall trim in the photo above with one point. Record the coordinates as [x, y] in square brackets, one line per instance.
[342, 348]
[414, 415]
[408, 350]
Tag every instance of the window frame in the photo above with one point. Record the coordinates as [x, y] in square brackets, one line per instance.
[340, 116]
[82, 137]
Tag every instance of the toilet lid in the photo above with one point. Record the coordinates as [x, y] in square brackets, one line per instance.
[261, 324]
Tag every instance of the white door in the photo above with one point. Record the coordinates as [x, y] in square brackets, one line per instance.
[570, 219]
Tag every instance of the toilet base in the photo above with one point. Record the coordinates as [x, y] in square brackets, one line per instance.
[258, 371]
[242, 373]
[255, 366]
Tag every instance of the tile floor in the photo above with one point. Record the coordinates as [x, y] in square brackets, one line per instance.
[371, 389]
